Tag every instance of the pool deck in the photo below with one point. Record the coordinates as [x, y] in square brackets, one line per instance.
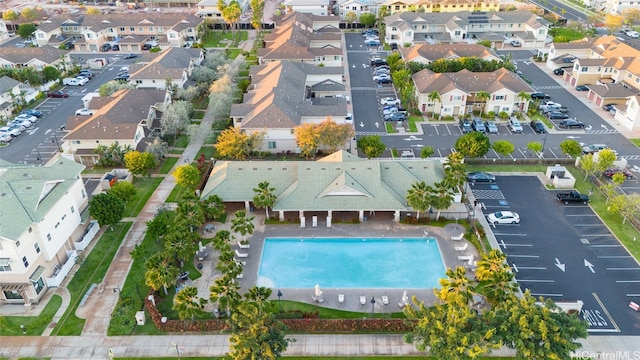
[378, 229]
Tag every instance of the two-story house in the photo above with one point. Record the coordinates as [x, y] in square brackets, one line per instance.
[427, 53]
[458, 92]
[10, 91]
[628, 114]
[357, 7]
[35, 57]
[304, 37]
[284, 95]
[128, 117]
[175, 64]
[315, 7]
[209, 9]
[500, 28]
[428, 6]
[43, 219]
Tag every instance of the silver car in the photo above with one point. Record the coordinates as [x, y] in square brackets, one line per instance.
[491, 127]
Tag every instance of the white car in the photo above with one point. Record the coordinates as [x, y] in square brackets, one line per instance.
[5, 137]
[21, 123]
[25, 117]
[390, 101]
[11, 131]
[84, 112]
[503, 217]
[515, 125]
[76, 81]
[632, 34]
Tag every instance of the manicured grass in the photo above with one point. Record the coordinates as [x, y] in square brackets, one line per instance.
[314, 358]
[208, 151]
[97, 170]
[390, 128]
[546, 121]
[176, 194]
[181, 142]
[34, 325]
[91, 271]
[565, 34]
[214, 39]
[197, 115]
[144, 189]
[233, 53]
[635, 141]
[413, 127]
[167, 165]
[201, 104]
[326, 313]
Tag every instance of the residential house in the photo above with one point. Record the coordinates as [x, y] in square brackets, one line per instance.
[10, 91]
[284, 95]
[43, 221]
[35, 57]
[458, 92]
[617, 6]
[128, 117]
[429, 6]
[561, 55]
[129, 31]
[304, 37]
[4, 31]
[209, 9]
[358, 7]
[426, 53]
[315, 7]
[339, 187]
[500, 28]
[628, 114]
[172, 63]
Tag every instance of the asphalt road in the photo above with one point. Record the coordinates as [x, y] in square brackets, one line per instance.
[40, 143]
[565, 253]
[571, 14]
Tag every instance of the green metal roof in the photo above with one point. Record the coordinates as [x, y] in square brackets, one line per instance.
[28, 192]
[339, 182]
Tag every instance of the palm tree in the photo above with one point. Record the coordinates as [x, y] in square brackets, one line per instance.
[221, 240]
[264, 196]
[227, 264]
[482, 96]
[435, 98]
[180, 243]
[456, 287]
[495, 277]
[419, 197]
[224, 292]
[188, 304]
[160, 273]
[242, 224]
[260, 295]
[455, 171]
[230, 13]
[442, 197]
[524, 98]
[190, 214]
[213, 207]
[489, 264]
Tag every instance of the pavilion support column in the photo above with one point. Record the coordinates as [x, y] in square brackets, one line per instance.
[247, 208]
[361, 215]
[281, 215]
[301, 215]
[329, 218]
[396, 216]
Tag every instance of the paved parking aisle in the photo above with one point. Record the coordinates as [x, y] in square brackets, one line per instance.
[565, 253]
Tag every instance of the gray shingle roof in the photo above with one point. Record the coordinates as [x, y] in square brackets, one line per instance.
[46, 54]
[340, 182]
[7, 83]
[461, 18]
[28, 193]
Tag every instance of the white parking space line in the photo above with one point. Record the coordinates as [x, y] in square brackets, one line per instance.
[585, 215]
[624, 269]
[516, 245]
[524, 256]
[611, 245]
[607, 234]
[633, 295]
[537, 281]
[628, 281]
[599, 224]
[611, 321]
[508, 234]
[435, 127]
[547, 295]
[614, 257]
[448, 130]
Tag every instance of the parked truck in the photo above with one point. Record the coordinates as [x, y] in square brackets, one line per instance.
[573, 196]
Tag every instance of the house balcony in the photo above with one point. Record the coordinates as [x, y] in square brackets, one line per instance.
[89, 234]
[60, 272]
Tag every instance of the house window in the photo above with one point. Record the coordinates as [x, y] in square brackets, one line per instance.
[25, 262]
[150, 28]
[30, 229]
[457, 33]
[172, 35]
[132, 29]
[140, 28]
[73, 210]
[57, 224]
[585, 69]
[37, 247]
[499, 97]
[83, 193]
[40, 36]
[160, 29]
[271, 144]
[49, 237]
[457, 98]
[393, 28]
[17, 244]
[76, 142]
[4, 264]
[122, 28]
[64, 217]
[629, 76]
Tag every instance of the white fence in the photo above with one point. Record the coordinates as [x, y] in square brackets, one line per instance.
[61, 272]
[91, 232]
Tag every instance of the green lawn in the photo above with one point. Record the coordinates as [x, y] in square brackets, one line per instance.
[200, 104]
[144, 189]
[197, 114]
[543, 119]
[208, 151]
[176, 194]
[635, 141]
[91, 271]
[390, 128]
[167, 165]
[326, 313]
[34, 325]
[214, 39]
[413, 119]
[565, 34]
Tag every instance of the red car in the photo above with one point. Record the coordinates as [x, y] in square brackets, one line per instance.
[612, 171]
[57, 94]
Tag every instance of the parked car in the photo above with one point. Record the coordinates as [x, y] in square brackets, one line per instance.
[582, 88]
[558, 71]
[86, 74]
[594, 148]
[515, 125]
[384, 80]
[491, 126]
[538, 127]
[106, 47]
[572, 196]
[370, 31]
[376, 61]
[57, 94]
[21, 123]
[76, 81]
[396, 116]
[131, 56]
[11, 131]
[515, 43]
[504, 217]
[608, 107]
[480, 176]
[122, 77]
[28, 118]
[32, 112]
[540, 96]
[372, 42]
[465, 126]
[381, 77]
[115, 47]
[5, 137]
[632, 33]
[612, 171]
[555, 108]
[84, 112]
[389, 101]
[556, 115]
[571, 123]
[478, 125]
[146, 47]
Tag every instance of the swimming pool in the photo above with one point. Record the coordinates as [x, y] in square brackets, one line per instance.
[393, 263]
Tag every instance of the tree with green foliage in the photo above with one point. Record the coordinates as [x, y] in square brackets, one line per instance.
[383, 11]
[231, 13]
[524, 98]
[140, 163]
[26, 30]
[160, 273]
[371, 145]
[455, 171]
[474, 144]
[257, 13]
[494, 276]
[112, 86]
[456, 287]
[258, 294]
[588, 165]
[176, 117]
[159, 225]
[481, 97]
[606, 158]
[334, 135]
[10, 15]
[367, 19]
[224, 292]
[157, 148]
[350, 17]
[190, 213]
[308, 139]
[237, 144]
[188, 304]
[29, 14]
[124, 190]
[434, 98]
[265, 197]
[181, 243]
[571, 147]
[626, 205]
[426, 151]
[242, 224]
[503, 147]
[442, 197]
[535, 147]
[187, 176]
[50, 73]
[107, 208]
[213, 207]
[420, 197]
[485, 43]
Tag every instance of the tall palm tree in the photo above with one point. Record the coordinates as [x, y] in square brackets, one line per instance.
[442, 197]
[482, 96]
[190, 214]
[180, 243]
[242, 224]
[160, 273]
[435, 98]
[260, 295]
[188, 304]
[264, 196]
[230, 13]
[495, 276]
[419, 197]
[456, 287]
[224, 292]
[213, 207]
[524, 98]
[455, 170]
[221, 240]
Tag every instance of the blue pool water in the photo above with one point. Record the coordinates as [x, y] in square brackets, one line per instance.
[407, 263]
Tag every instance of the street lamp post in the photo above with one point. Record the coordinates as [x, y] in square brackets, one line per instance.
[55, 140]
[186, 158]
[24, 329]
[544, 143]
[373, 303]
[39, 158]
[279, 296]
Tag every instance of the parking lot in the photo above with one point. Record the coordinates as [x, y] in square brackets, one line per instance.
[565, 253]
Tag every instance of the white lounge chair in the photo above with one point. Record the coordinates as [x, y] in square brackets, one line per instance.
[457, 238]
[241, 255]
[239, 276]
[465, 257]
[401, 304]
[243, 263]
[243, 246]
[463, 247]
[363, 300]
[385, 299]
[317, 299]
[340, 298]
